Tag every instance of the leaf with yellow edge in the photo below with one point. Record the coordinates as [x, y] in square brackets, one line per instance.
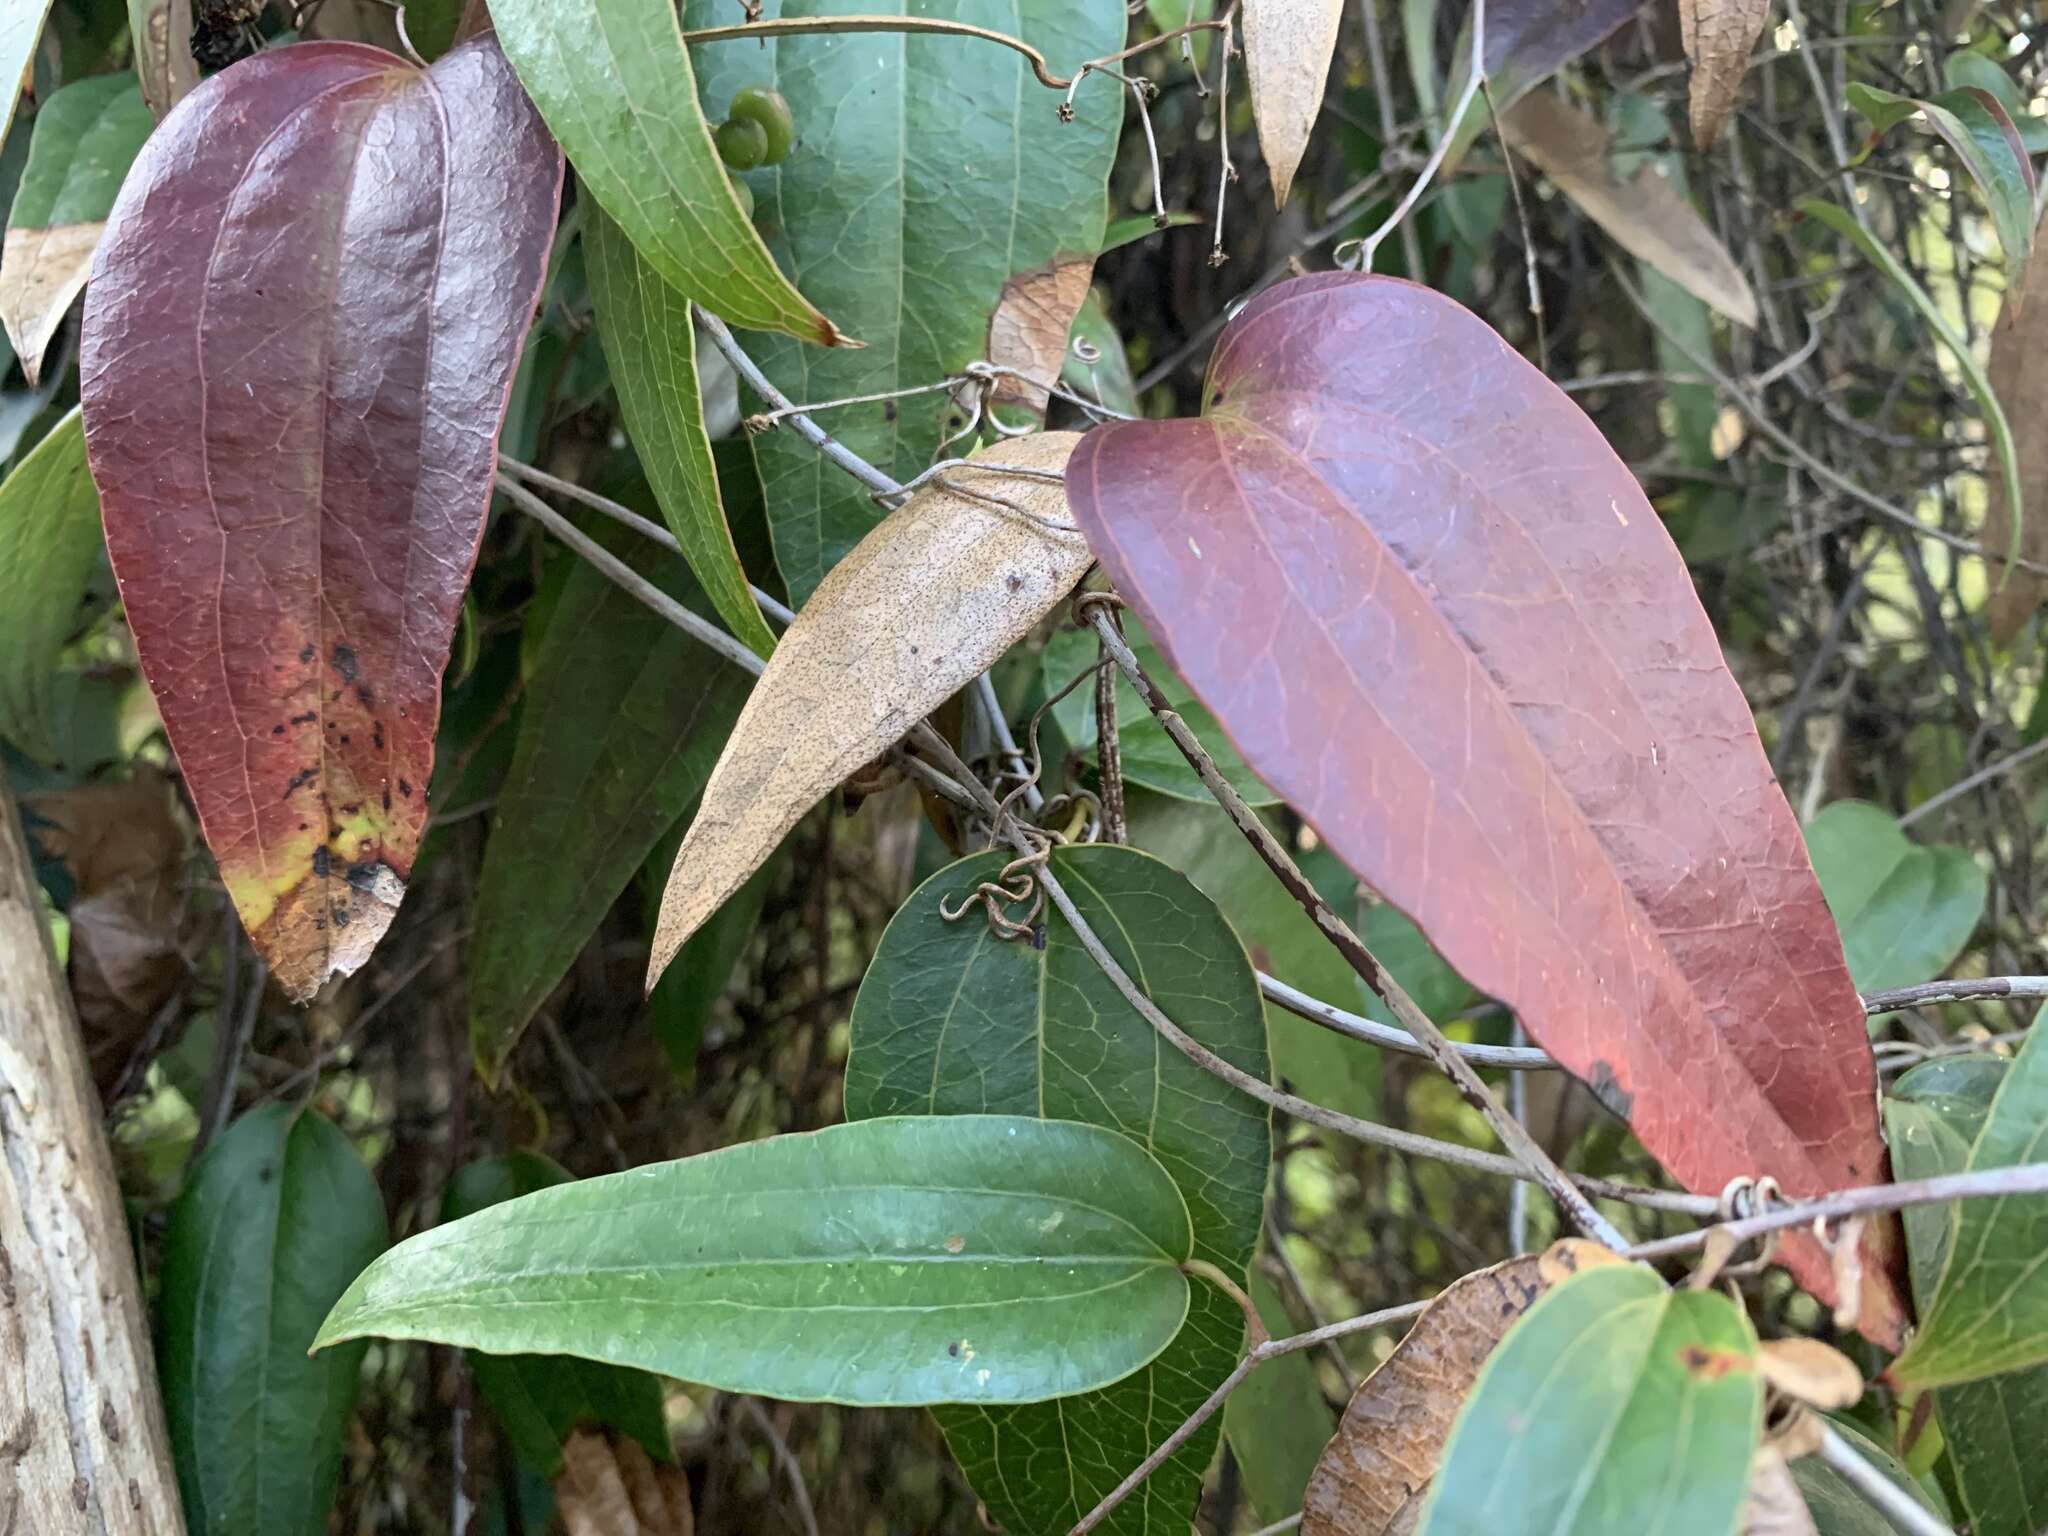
[920, 607]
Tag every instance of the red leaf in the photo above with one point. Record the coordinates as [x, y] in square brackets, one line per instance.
[1435, 612]
[299, 340]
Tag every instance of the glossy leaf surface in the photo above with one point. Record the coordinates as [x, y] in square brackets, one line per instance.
[930, 598]
[989, 1259]
[624, 716]
[302, 324]
[1985, 139]
[1905, 910]
[614, 82]
[1934, 1114]
[279, 1216]
[1614, 1405]
[541, 1399]
[953, 1020]
[49, 543]
[651, 343]
[1988, 1312]
[1390, 530]
[86, 137]
[928, 173]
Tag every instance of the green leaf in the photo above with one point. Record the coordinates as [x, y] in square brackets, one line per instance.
[279, 1216]
[1615, 1404]
[1201, 842]
[1933, 1115]
[1129, 231]
[623, 718]
[1967, 68]
[929, 171]
[1108, 378]
[1838, 1509]
[1982, 134]
[1989, 1310]
[539, 1399]
[1905, 911]
[49, 544]
[85, 138]
[614, 82]
[1150, 759]
[988, 1258]
[1995, 423]
[952, 1020]
[651, 343]
[1278, 1422]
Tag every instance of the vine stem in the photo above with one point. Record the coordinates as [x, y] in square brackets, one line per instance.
[1512, 1133]
[799, 26]
[1877, 1490]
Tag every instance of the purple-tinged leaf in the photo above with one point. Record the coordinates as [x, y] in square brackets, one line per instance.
[299, 336]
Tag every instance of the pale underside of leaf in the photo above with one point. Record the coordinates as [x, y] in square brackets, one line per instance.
[1719, 35]
[1644, 213]
[41, 272]
[927, 601]
[1775, 1506]
[2019, 378]
[1288, 45]
[1375, 1473]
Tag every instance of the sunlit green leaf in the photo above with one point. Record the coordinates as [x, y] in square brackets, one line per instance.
[1905, 910]
[985, 1258]
[49, 544]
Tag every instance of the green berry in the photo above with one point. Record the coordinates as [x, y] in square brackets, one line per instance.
[742, 145]
[744, 194]
[759, 104]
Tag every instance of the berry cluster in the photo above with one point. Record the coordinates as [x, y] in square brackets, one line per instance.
[758, 130]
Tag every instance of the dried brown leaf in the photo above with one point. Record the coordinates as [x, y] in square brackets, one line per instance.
[1031, 323]
[1569, 1255]
[1811, 1371]
[1375, 1472]
[1719, 35]
[608, 1486]
[1645, 214]
[2019, 378]
[41, 272]
[921, 606]
[1775, 1507]
[1793, 1431]
[1287, 49]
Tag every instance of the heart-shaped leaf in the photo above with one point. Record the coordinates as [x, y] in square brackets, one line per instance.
[1615, 1405]
[301, 327]
[1436, 613]
[952, 1019]
[926, 602]
[969, 1259]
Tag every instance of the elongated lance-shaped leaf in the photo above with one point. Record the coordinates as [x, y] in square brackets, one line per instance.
[1615, 1405]
[1978, 128]
[933, 192]
[1989, 1311]
[299, 335]
[952, 1019]
[160, 32]
[651, 343]
[932, 597]
[1288, 45]
[614, 82]
[1995, 423]
[49, 542]
[973, 1259]
[541, 1399]
[1435, 612]
[624, 716]
[279, 1216]
[21, 26]
[85, 139]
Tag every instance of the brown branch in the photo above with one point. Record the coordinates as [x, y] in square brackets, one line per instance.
[799, 26]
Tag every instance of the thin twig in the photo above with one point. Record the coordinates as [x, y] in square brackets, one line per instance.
[1877, 1490]
[1512, 1133]
[1977, 780]
[1961, 990]
[786, 1459]
[799, 26]
[1383, 95]
[1388, 1037]
[1371, 244]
